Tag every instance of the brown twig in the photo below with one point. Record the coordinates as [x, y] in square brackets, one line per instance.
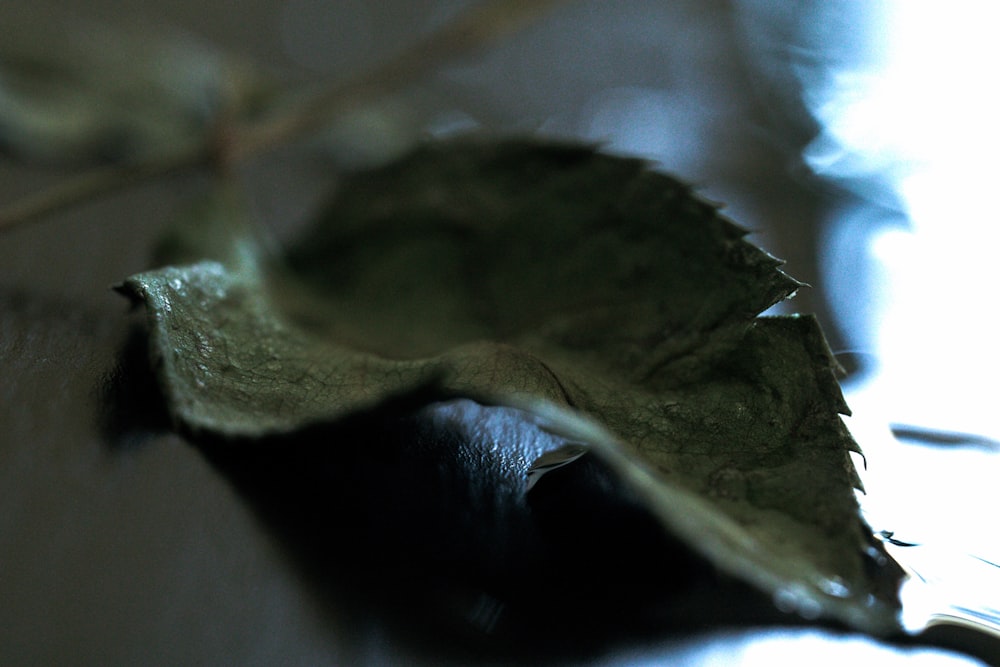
[475, 29]
[91, 185]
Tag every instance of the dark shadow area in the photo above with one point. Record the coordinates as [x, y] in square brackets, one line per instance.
[413, 521]
[132, 408]
[399, 515]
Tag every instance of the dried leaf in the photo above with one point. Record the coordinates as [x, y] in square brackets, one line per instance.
[604, 300]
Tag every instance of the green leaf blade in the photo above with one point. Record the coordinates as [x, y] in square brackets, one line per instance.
[602, 299]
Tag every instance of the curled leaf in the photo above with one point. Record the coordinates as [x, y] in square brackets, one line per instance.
[605, 301]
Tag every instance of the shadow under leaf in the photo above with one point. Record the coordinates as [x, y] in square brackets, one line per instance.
[418, 520]
[415, 518]
[132, 409]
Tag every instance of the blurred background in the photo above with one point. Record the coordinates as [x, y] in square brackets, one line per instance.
[855, 138]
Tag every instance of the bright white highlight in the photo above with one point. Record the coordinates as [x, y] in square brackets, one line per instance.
[919, 127]
[926, 120]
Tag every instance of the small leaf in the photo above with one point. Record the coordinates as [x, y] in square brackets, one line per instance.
[603, 300]
[86, 93]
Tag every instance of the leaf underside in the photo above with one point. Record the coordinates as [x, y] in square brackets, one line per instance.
[604, 300]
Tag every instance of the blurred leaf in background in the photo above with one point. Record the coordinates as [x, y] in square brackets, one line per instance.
[74, 92]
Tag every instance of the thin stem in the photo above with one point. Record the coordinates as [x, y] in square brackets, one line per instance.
[91, 185]
[475, 29]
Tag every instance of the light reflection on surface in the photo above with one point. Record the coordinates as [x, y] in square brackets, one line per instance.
[785, 647]
[921, 119]
[912, 130]
[629, 121]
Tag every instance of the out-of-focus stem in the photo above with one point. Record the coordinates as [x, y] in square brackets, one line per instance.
[480, 26]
